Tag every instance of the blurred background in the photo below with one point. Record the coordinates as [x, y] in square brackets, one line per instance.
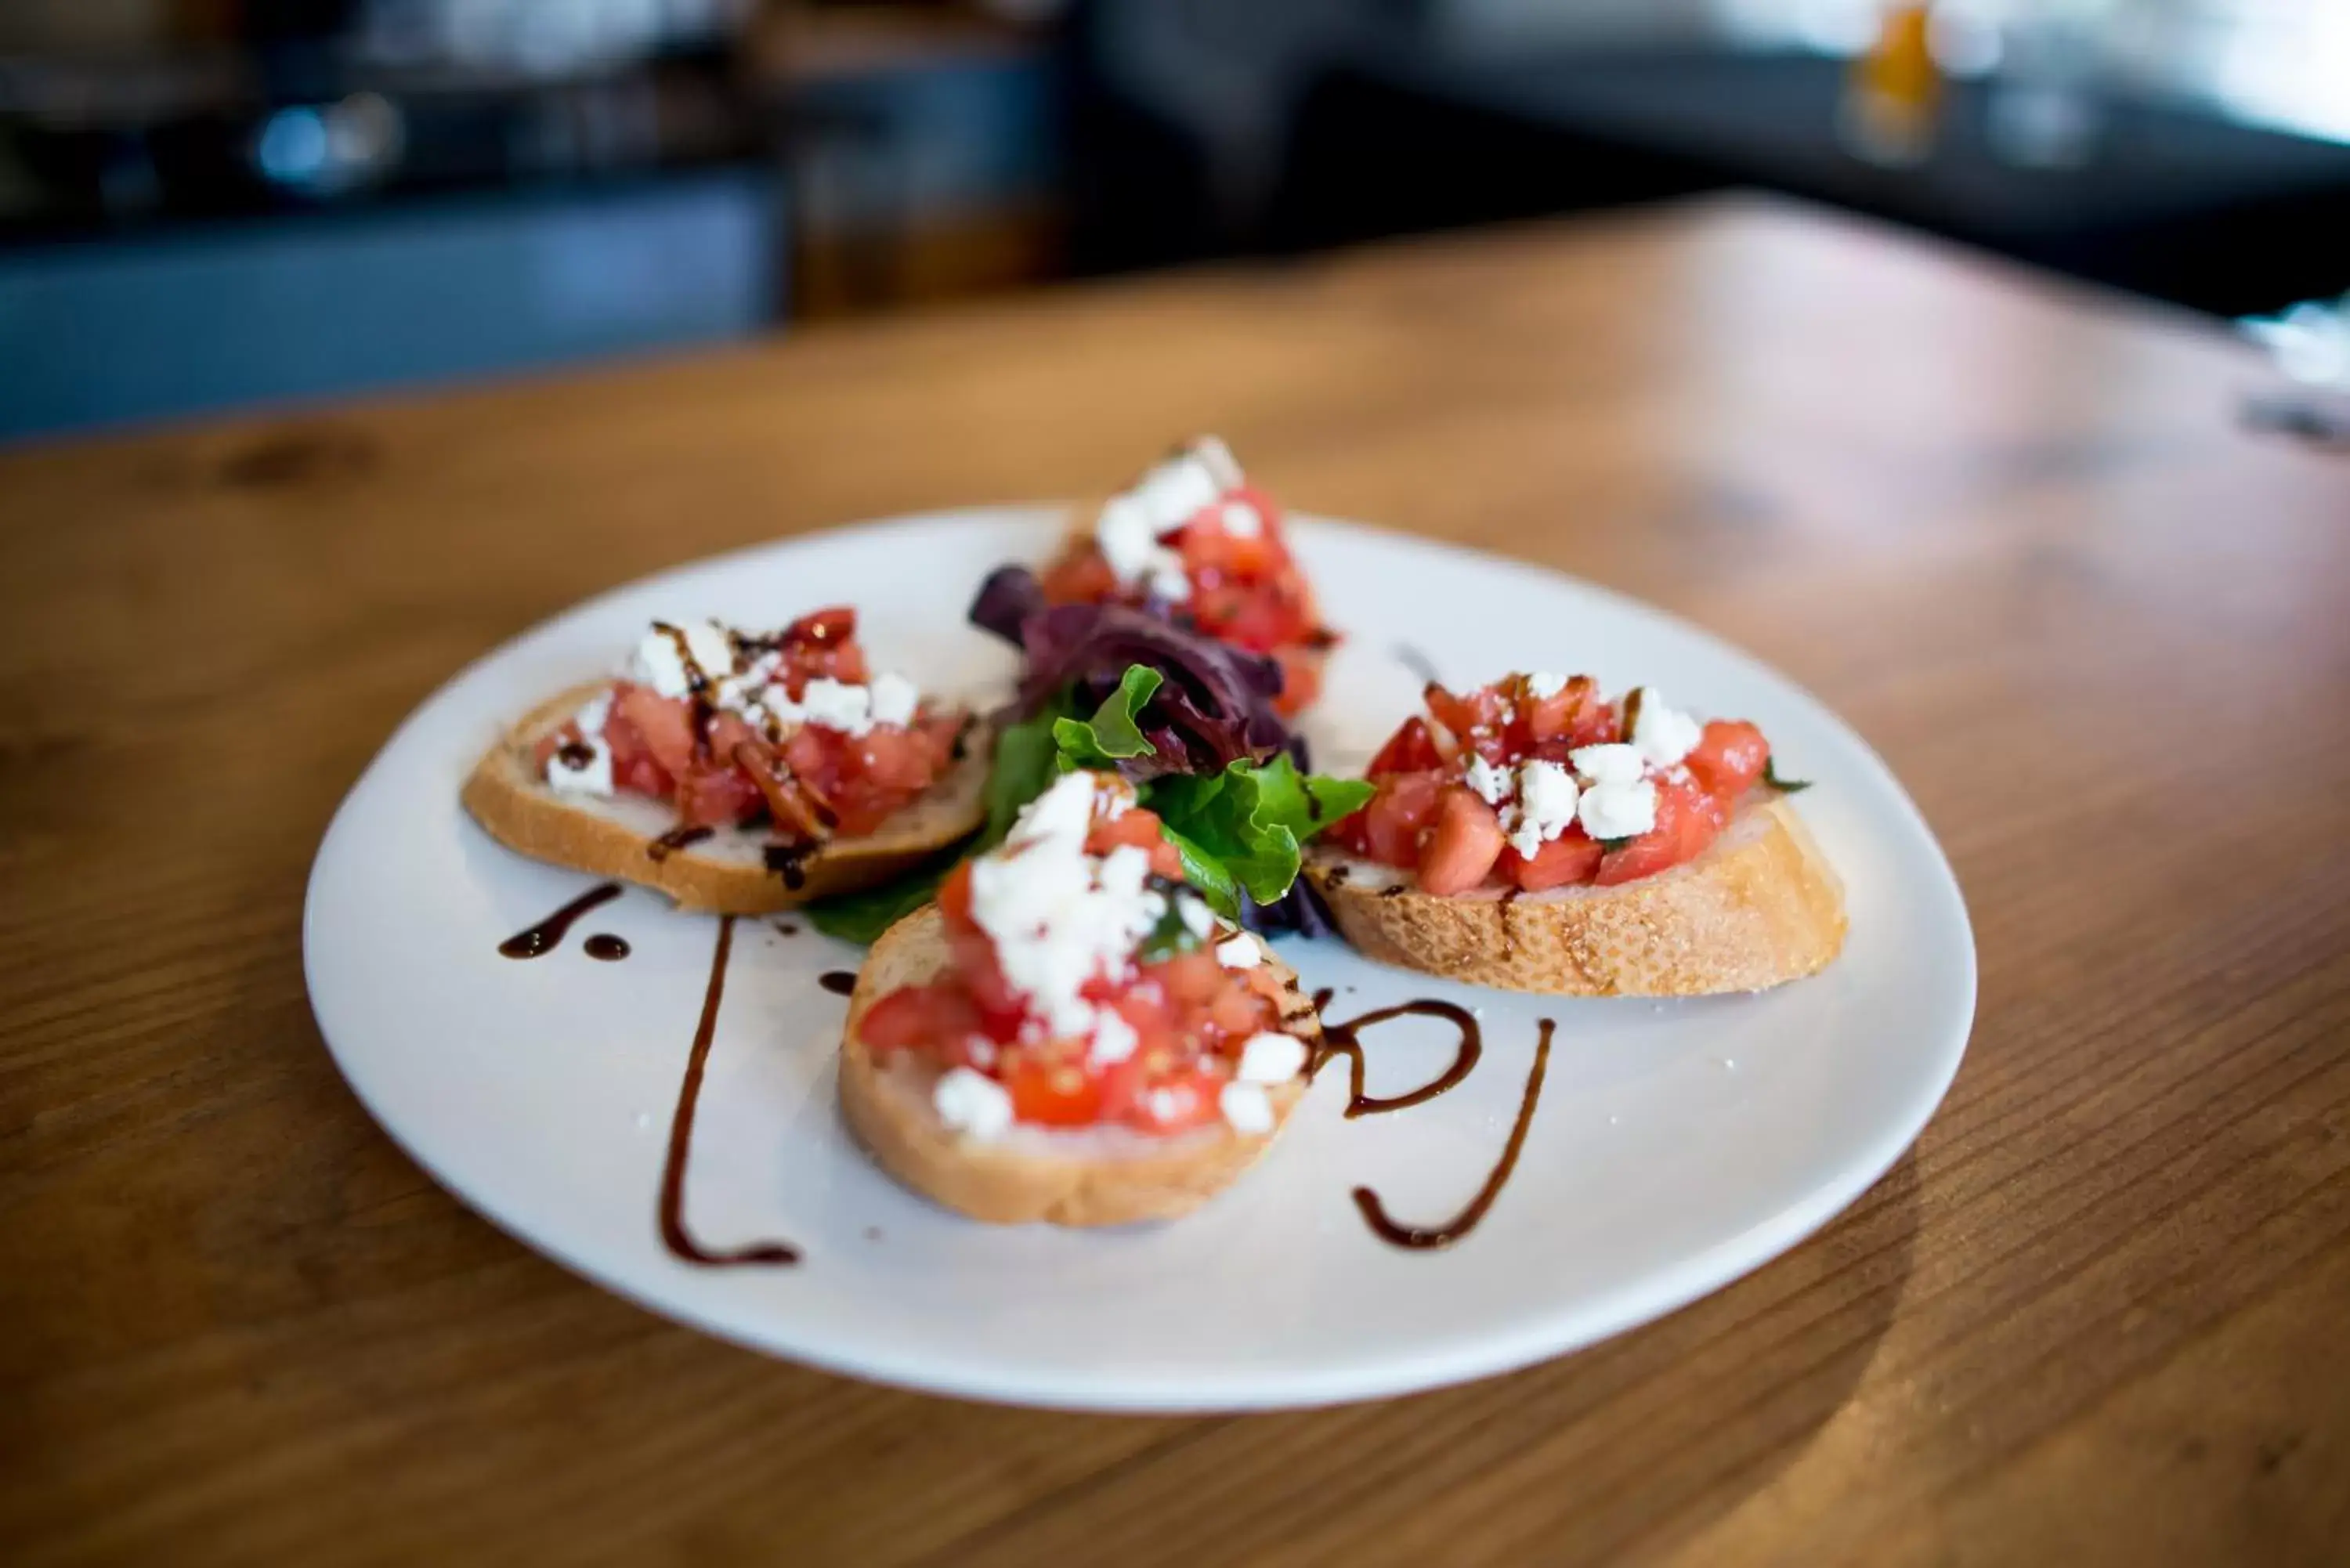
[211, 204]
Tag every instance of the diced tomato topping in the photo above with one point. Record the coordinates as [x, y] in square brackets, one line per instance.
[1140, 828]
[1418, 819]
[1056, 1094]
[1189, 1015]
[919, 1015]
[664, 726]
[1729, 758]
[1688, 819]
[1466, 842]
[1408, 751]
[718, 770]
[1300, 677]
[1395, 824]
[1165, 1101]
[1568, 861]
[1246, 588]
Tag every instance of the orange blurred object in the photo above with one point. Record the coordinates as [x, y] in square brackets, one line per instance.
[1894, 91]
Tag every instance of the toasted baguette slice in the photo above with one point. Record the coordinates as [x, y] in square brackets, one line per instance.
[726, 873]
[1759, 907]
[1091, 1176]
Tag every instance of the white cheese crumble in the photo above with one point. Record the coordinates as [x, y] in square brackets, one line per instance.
[1246, 1106]
[895, 698]
[1164, 499]
[1270, 1057]
[1542, 685]
[660, 664]
[1128, 535]
[1611, 764]
[1619, 810]
[1114, 1039]
[1662, 734]
[1243, 952]
[753, 688]
[1194, 911]
[593, 776]
[1547, 805]
[834, 704]
[972, 1103]
[1242, 521]
[1059, 917]
[1492, 785]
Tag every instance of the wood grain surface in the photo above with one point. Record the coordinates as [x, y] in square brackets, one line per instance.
[2015, 534]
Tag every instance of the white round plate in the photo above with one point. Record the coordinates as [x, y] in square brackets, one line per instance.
[1675, 1146]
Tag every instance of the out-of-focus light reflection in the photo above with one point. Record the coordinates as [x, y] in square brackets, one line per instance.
[292, 148]
[2288, 65]
[2310, 342]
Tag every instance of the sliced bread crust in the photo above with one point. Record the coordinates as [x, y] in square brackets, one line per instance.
[1759, 907]
[726, 873]
[1085, 1177]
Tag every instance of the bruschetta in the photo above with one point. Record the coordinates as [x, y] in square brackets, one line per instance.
[736, 771]
[1194, 539]
[1069, 1034]
[1534, 837]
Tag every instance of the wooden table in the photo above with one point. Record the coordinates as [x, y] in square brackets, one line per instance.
[2014, 534]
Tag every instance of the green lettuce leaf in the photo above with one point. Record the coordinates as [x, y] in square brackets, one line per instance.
[1240, 829]
[1113, 733]
[1244, 828]
[861, 916]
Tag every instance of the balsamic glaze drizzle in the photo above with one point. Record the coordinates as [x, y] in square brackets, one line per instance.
[548, 935]
[675, 839]
[673, 1233]
[1418, 663]
[1342, 1040]
[839, 981]
[1427, 1237]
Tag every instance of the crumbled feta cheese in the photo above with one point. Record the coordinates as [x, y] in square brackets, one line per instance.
[1176, 490]
[1127, 538]
[1614, 810]
[1211, 454]
[592, 714]
[1129, 533]
[1242, 521]
[739, 691]
[1167, 579]
[1246, 1106]
[1059, 917]
[593, 776]
[1130, 527]
[1493, 785]
[1664, 735]
[1546, 803]
[1243, 952]
[1612, 763]
[1270, 1057]
[972, 1103]
[1194, 911]
[836, 705]
[895, 698]
[1113, 1038]
[1542, 685]
[660, 664]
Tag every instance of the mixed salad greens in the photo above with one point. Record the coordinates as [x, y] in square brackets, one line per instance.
[1188, 720]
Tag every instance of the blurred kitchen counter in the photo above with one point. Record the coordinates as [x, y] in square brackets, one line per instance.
[2014, 532]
